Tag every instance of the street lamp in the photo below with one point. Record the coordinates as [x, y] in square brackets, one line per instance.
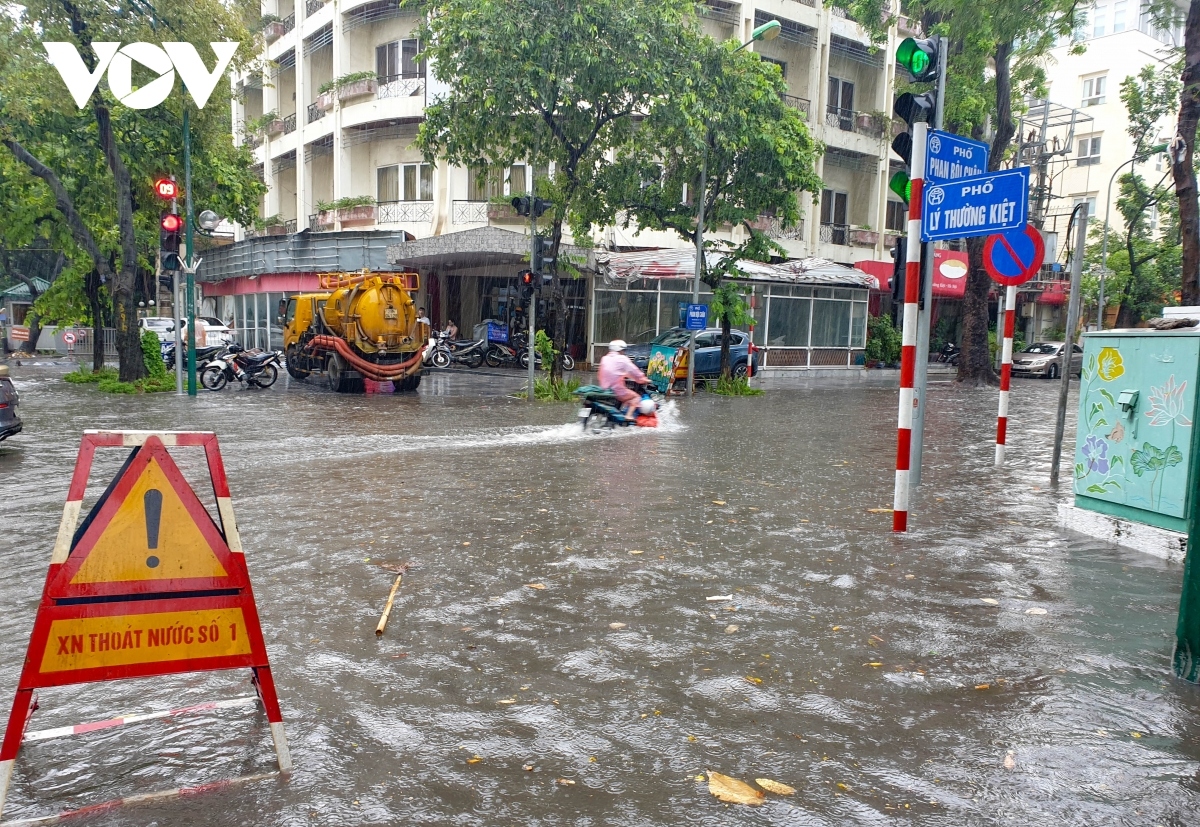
[767, 31]
[1107, 210]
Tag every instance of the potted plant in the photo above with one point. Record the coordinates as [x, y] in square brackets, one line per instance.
[325, 100]
[883, 342]
[269, 123]
[501, 209]
[864, 236]
[270, 225]
[353, 209]
[272, 27]
[353, 85]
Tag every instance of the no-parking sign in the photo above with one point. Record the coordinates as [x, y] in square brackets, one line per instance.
[69, 338]
[1015, 257]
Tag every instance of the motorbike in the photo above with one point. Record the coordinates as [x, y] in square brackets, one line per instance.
[255, 368]
[442, 351]
[517, 352]
[949, 353]
[204, 355]
[599, 408]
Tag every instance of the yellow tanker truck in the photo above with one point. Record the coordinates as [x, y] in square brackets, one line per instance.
[362, 326]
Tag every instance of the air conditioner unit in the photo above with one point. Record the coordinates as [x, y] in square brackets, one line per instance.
[1027, 310]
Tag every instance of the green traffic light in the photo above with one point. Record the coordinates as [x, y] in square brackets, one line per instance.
[901, 184]
[919, 57]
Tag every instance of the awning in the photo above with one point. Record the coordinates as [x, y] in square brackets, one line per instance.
[949, 273]
[1055, 293]
[618, 268]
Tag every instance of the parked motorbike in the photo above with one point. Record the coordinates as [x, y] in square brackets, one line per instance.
[442, 351]
[255, 368]
[204, 355]
[599, 408]
[517, 352]
[949, 353]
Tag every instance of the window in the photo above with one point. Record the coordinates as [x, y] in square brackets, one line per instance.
[398, 59]
[485, 184]
[406, 182]
[522, 177]
[840, 108]
[1090, 200]
[782, 65]
[1152, 218]
[1089, 151]
[1159, 159]
[1093, 90]
[834, 209]
[1118, 16]
[1099, 19]
[897, 216]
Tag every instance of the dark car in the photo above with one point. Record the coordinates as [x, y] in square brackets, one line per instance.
[10, 423]
[708, 350]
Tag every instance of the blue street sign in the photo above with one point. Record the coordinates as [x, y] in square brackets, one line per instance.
[951, 157]
[697, 316]
[979, 205]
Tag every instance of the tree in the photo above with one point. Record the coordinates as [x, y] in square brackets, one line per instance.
[135, 145]
[1183, 167]
[549, 82]
[724, 122]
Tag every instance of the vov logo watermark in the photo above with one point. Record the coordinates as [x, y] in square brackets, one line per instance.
[118, 60]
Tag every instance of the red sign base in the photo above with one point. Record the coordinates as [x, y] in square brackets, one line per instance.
[148, 584]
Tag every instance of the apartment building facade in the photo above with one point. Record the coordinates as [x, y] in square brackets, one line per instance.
[333, 120]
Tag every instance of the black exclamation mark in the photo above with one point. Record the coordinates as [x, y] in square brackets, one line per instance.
[153, 503]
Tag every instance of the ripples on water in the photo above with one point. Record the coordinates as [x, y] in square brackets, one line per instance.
[488, 495]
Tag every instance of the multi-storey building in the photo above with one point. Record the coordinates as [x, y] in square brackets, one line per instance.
[333, 120]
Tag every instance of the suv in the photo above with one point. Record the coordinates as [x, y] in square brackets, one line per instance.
[10, 423]
[708, 350]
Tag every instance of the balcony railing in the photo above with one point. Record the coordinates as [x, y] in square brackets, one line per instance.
[803, 104]
[839, 118]
[289, 124]
[315, 226]
[289, 22]
[313, 6]
[400, 86]
[398, 212]
[289, 226]
[315, 113]
[835, 233]
[469, 212]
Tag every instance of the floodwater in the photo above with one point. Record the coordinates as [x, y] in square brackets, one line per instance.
[865, 670]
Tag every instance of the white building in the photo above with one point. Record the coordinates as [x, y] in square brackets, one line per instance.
[353, 143]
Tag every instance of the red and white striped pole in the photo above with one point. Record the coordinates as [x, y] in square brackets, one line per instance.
[1010, 320]
[908, 351]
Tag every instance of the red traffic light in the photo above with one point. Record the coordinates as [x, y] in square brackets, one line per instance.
[527, 278]
[165, 188]
[172, 223]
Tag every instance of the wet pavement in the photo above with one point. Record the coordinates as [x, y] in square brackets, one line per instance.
[890, 680]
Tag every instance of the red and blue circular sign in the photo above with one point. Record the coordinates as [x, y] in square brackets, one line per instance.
[1014, 257]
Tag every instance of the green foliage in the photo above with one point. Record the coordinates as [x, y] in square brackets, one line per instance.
[268, 221]
[84, 377]
[544, 346]
[258, 126]
[994, 343]
[108, 381]
[346, 203]
[345, 80]
[883, 340]
[734, 386]
[546, 389]
[152, 356]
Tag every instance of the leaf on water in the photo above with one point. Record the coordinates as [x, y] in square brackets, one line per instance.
[718, 502]
[507, 701]
[474, 759]
[710, 522]
[467, 544]
[617, 625]
[873, 663]
[879, 511]
[717, 598]
[754, 680]
[774, 786]
[566, 782]
[731, 628]
[732, 791]
[538, 586]
[909, 576]
[991, 601]
[636, 551]
[837, 628]
[1009, 762]
[983, 686]
[1035, 611]
[1136, 734]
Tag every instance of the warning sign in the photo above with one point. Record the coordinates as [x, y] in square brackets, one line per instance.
[149, 583]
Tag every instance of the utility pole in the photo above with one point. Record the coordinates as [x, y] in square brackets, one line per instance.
[192, 263]
[691, 373]
[533, 294]
[1081, 215]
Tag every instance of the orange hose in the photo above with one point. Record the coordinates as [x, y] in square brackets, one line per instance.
[370, 370]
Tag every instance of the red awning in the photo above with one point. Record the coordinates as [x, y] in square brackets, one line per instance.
[1055, 293]
[949, 273]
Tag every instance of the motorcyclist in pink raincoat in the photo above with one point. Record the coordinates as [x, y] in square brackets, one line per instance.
[615, 368]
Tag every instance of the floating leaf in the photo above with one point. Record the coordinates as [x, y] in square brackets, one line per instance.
[617, 625]
[636, 551]
[874, 663]
[754, 680]
[731, 628]
[474, 759]
[718, 502]
[1009, 762]
[1035, 611]
[566, 782]
[991, 601]
[538, 586]
[983, 686]
[774, 786]
[732, 791]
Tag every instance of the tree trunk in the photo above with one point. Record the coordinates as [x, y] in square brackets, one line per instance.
[557, 308]
[975, 361]
[129, 344]
[92, 288]
[1181, 170]
[726, 371]
[32, 321]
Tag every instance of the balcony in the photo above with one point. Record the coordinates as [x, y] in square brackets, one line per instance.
[835, 234]
[864, 238]
[312, 7]
[289, 124]
[399, 86]
[315, 113]
[469, 212]
[404, 212]
[321, 222]
[802, 104]
[773, 228]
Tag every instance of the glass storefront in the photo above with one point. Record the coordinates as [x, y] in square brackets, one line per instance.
[254, 318]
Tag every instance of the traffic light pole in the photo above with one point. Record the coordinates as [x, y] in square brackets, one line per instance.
[532, 295]
[176, 308]
[925, 314]
[908, 351]
[691, 372]
[190, 269]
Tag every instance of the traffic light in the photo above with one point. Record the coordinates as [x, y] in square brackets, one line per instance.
[528, 282]
[165, 188]
[169, 234]
[525, 203]
[919, 58]
[899, 259]
[541, 261]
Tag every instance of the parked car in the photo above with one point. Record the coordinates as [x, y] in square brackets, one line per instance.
[1046, 359]
[708, 350]
[216, 332]
[163, 327]
[10, 421]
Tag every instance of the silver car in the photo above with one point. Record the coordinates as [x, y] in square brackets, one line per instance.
[1045, 359]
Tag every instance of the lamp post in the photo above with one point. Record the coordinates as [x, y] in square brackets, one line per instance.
[767, 31]
[1107, 210]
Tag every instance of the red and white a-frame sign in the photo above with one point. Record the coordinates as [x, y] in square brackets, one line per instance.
[148, 584]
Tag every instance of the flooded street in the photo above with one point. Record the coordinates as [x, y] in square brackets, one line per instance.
[889, 680]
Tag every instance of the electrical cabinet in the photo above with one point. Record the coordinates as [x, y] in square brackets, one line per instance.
[1137, 408]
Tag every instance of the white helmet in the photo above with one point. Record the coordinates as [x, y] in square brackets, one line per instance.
[617, 345]
[647, 406]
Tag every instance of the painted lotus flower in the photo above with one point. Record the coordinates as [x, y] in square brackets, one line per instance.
[1166, 404]
[1095, 453]
[1110, 364]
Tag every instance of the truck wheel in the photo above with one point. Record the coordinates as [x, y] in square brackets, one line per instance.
[337, 372]
[292, 362]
